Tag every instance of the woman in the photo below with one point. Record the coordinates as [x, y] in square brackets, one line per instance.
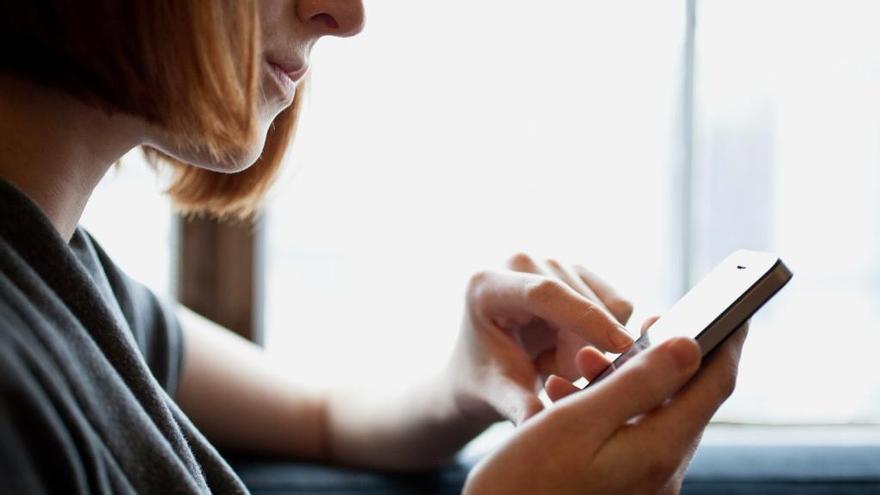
[106, 390]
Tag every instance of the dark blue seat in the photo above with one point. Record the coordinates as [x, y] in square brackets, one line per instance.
[778, 470]
[278, 477]
[716, 470]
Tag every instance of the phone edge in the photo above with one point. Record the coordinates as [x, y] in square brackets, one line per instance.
[779, 269]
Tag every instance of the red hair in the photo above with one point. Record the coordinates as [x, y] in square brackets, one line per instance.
[190, 66]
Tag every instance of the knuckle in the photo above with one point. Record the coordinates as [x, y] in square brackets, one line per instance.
[531, 407]
[476, 284]
[478, 279]
[520, 261]
[589, 310]
[562, 413]
[554, 263]
[650, 375]
[542, 291]
[649, 379]
[727, 384]
[621, 307]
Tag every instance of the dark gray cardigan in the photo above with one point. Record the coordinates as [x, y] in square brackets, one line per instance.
[89, 360]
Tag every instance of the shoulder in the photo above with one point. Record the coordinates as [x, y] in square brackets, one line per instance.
[152, 320]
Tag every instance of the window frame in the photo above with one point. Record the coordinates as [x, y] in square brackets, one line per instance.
[218, 272]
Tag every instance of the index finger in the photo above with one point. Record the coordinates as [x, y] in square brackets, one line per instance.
[619, 306]
[512, 294]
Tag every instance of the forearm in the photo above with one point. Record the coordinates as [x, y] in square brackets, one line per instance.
[416, 428]
[242, 401]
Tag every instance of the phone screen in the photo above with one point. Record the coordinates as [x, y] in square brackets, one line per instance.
[704, 303]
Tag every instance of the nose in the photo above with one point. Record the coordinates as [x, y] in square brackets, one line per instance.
[342, 18]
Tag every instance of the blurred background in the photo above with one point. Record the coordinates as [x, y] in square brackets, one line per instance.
[643, 139]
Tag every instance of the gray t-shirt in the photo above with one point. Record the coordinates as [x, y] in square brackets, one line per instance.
[89, 362]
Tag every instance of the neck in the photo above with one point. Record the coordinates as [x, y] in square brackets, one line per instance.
[56, 149]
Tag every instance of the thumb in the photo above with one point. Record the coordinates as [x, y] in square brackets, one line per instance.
[640, 386]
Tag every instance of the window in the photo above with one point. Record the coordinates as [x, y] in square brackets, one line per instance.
[447, 137]
[788, 159]
[614, 134]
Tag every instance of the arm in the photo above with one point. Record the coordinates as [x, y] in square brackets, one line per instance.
[520, 326]
[242, 401]
[414, 428]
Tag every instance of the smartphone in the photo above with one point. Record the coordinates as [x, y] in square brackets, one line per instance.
[725, 299]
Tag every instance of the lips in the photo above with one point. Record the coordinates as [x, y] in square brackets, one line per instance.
[292, 71]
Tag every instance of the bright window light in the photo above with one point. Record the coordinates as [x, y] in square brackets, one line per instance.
[788, 159]
[451, 135]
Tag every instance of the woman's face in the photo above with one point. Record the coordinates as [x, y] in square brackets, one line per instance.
[289, 28]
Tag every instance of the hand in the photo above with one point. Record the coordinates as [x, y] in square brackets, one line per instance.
[590, 363]
[524, 324]
[633, 433]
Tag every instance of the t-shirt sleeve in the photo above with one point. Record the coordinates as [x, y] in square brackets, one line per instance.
[157, 331]
[153, 323]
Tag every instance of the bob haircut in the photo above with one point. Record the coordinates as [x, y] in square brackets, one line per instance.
[189, 66]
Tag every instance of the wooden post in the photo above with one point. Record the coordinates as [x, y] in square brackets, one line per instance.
[218, 273]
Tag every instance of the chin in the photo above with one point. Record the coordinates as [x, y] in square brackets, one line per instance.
[229, 162]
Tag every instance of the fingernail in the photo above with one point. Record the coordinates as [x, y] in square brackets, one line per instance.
[620, 338]
[685, 354]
